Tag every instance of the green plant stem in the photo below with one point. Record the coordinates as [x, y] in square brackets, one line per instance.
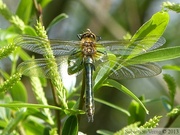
[38, 11]
[58, 90]
[21, 130]
[170, 121]
[81, 102]
[57, 103]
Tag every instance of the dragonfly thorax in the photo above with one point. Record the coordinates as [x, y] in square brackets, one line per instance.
[88, 43]
[88, 48]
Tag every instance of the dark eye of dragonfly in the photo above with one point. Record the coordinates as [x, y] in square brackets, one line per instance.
[87, 34]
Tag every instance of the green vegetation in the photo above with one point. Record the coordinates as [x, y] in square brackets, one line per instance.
[19, 117]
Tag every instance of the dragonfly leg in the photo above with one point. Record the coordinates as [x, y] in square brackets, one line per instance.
[102, 52]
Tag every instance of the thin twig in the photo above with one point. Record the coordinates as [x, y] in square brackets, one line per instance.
[57, 103]
[81, 102]
[171, 120]
[38, 11]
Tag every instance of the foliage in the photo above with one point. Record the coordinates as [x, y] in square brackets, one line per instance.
[135, 129]
[172, 6]
[20, 117]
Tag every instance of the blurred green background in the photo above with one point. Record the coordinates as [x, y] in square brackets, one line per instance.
[112, 19]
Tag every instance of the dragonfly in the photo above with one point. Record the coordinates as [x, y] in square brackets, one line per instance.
[89, 53]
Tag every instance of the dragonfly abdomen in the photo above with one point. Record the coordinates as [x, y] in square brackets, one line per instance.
[89, 96]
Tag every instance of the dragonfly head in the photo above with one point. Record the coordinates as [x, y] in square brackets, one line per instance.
[87, 34]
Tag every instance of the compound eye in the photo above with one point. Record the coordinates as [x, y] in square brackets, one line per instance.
[98, 38]
[79, 36]
[91, 36]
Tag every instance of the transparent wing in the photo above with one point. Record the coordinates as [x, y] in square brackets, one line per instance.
[126, 47]
[136, 71]
[39, 67]
[59, 48]
[35, 44]
[122, 70]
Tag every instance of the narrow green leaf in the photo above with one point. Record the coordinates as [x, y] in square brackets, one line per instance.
[28, 30]
[24, 10]
[104, 132]
[5, 112]
[56, 20]
[6, 34]
[118, 86]
[19, 92]
[28, 105]
[23, 55]
[71, 126]
[113, 106]
[171, 86]
[3, 123]
[155, 26]
[36, 112]
[137, 113]
[44, 3]
[166, 103]
[20, 115]
[33, 127]
[157, 55]
[172, 67]
[101, 74]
